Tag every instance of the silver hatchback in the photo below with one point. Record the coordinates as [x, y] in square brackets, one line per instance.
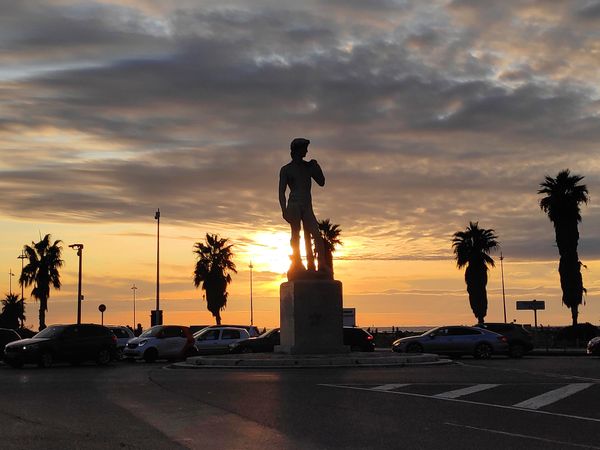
[454, 340]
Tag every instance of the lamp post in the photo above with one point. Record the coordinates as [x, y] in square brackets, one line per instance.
[251, 308]
[10, 275]
[503, 296]
[22, 257]
[156, 316]
[79, 248]
[134, 288]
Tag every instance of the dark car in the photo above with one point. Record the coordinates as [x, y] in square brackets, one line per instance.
[593, 347]
[356, 338]
[264, 343]
[71, 343]
[6, 336]
[519, 339]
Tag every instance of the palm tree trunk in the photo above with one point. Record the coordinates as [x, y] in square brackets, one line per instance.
[42, 315]
[574, 314]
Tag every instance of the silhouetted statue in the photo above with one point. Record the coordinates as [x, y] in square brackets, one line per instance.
[298, 211]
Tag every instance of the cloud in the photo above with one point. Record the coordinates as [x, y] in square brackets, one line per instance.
[424, 116]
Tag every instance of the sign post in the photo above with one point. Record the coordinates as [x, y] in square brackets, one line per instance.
[532, 305]
[102, 308]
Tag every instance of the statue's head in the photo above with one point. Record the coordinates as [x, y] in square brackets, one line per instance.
[299, 148]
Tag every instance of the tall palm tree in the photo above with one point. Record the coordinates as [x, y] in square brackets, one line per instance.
[13, 311]
[331, 238]
[472, 248]
[215, 262]
[563, 195]
[42, 272]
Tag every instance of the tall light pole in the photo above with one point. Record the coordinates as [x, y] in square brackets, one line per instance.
[156, 317]
[251, 309]
[79, 248]
[22, 257]
[503, 296]
[134, 288]
[10, 275]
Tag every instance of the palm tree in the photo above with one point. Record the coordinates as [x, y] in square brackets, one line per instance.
[213, 271]
[563, 195]
[472, 248]
[42, 272]
[13, 311]
[331, 238]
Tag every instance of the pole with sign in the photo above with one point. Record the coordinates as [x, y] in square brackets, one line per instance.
[534, 305]
[102, 308]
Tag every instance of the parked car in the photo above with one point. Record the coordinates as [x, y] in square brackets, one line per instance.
[72, 343]
[252, 330]
[7, 335]
[358, 339]
[455, 340]
[214, 340]
[123, 335]
[161, 342]
[519, 339]
[593, 347]
[264, 343]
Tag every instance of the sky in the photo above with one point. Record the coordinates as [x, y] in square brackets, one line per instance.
[423, 115]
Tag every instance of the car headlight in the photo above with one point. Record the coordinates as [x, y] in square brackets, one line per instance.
[142, 343]
[30, 347]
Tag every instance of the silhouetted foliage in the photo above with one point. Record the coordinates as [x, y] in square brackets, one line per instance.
[472, 248]
[331, 239]
[13, 311]
[215, 262]
[582, 331]
[563, 195]
[42, 272]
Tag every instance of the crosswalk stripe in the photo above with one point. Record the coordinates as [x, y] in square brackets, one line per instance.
[553, 396]
[465, 391]
[388, 387]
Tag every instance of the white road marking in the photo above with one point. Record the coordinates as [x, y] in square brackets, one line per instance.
[553, 396]
[388, 387]
[468, 402]
[526, 436]
[466, 391]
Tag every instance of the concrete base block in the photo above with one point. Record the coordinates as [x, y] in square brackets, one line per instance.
[311, 317]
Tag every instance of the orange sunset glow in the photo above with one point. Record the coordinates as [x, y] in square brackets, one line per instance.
[423, 116]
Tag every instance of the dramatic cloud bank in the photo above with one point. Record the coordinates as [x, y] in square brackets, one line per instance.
[424, 115]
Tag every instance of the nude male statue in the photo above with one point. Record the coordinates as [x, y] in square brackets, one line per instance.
[298, 175]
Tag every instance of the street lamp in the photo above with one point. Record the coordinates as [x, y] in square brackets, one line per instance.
[251, 309]
[156, 316]
[22, 257]
[79, 248]
[503, 296]
[134, 288]
[10, 275]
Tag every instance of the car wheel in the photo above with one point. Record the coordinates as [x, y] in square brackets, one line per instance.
[150, 355]
[516, 351]
[483, 351]
[46, 360]
[414, 348]
[103, 357]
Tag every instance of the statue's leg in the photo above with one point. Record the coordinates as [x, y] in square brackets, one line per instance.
[294, 217]
[312, 226]
[310, 257]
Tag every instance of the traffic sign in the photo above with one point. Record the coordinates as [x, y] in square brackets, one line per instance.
[533, 304]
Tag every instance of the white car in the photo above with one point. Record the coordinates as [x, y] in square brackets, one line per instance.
[123, 335]
[217, 339]
[161, 342]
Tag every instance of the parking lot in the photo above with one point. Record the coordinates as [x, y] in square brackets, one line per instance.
[535, 402]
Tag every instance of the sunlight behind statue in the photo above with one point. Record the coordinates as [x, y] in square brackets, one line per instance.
[298, 212]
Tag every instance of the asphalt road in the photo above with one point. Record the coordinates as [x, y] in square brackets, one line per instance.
[533, 403]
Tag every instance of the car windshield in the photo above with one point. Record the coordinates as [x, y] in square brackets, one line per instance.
[151, 332]
[268, 332]
[433, 330]
[50, 332]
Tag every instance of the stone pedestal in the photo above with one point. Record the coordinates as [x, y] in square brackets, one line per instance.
[311, 317]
